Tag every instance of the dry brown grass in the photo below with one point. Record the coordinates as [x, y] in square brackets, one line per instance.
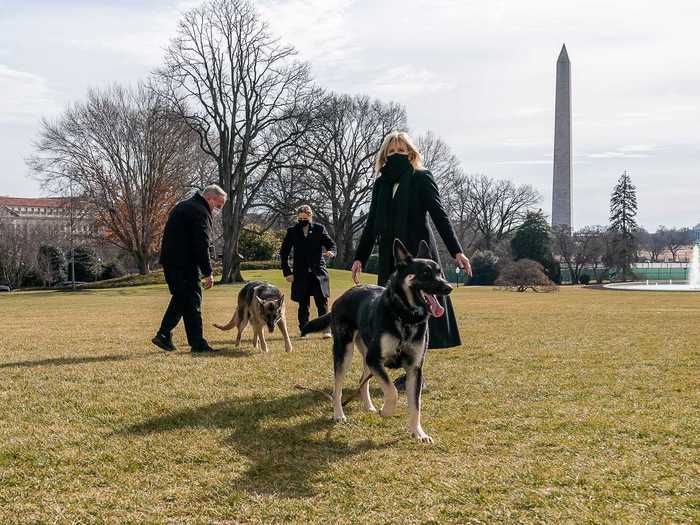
[578, 407]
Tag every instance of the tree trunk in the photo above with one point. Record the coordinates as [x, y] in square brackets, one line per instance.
[232, 226]
[344, 245]
[144, 267]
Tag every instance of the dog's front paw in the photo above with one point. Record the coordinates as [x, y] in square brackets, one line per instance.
[340, 418]
[421, 436]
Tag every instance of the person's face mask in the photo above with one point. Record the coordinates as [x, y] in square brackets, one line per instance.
[304, 222]
[397, 165]
[216, 209]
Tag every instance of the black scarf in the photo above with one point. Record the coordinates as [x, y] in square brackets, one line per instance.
[392, 210]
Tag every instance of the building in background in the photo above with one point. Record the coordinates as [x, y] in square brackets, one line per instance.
[53, 213]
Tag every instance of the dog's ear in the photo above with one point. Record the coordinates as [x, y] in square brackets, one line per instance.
[401, 254]
[423, 250]
[281, 301]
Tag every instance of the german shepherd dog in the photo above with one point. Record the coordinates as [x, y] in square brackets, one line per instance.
[261, 304]
[389, 326]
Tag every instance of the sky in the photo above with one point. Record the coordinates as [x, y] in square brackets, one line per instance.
[481, 75]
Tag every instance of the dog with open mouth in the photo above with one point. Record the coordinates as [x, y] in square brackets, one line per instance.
[389, 326]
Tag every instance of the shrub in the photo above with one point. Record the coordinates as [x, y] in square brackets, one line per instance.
[112, 270]
[484, 268]
[258, 245]
[32, 279]
[552, 269]
[523, 275]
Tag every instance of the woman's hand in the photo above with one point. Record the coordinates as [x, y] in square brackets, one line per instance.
[356, 270]
[463, 262]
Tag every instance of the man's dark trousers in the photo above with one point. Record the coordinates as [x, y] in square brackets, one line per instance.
[185, 303]
[313, 288]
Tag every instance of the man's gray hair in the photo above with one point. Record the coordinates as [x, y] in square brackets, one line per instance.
[305, 208]
[214, 190]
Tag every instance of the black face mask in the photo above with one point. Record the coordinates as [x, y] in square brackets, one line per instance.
[396, 165]
[304, 222]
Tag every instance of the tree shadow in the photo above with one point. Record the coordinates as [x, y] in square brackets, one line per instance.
[61, 361]
[285, 457]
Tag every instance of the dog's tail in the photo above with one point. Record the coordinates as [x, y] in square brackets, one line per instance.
[322, 323]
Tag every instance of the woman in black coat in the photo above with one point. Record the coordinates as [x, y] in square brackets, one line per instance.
[403, 196]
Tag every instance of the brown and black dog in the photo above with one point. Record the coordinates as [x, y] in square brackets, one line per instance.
[261, 304]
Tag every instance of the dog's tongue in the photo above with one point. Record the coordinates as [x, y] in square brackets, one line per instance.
[435, 307]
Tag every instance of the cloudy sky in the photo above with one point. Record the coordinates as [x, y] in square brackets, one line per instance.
[479, 74]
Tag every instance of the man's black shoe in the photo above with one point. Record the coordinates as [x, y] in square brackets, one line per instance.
[164, 342]
[203, 349]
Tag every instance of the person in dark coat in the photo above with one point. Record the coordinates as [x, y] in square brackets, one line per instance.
[184, 255]
[309, 276]
[403, 196]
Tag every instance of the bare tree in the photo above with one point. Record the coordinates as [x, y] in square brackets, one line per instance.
[236, 86]
[674, 239]
[127, 156]
[497, 207]
[439, 159]
[580, 249]
[16, 253]
[338, 156]
[286, 189]
[20, 250]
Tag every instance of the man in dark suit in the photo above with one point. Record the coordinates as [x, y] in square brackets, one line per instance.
[309, 277]
[184, 255]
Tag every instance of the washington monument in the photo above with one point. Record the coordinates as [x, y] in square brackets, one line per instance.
[561, 187]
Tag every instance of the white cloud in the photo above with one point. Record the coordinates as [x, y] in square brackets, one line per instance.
[25, 96]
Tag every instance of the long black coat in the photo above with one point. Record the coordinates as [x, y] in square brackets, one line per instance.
[186, 236]
[308, 255]
[405, 216]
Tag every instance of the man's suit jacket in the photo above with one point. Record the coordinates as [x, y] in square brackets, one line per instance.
[186, 236]
[308, 258]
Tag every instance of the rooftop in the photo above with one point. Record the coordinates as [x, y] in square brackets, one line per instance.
[43, 202]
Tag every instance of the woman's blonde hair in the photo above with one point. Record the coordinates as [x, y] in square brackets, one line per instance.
[402, 137]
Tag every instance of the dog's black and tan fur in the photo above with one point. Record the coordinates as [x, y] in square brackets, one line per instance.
[261, 304]
[389, 326]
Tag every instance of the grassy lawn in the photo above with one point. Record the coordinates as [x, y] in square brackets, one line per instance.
[580, 406]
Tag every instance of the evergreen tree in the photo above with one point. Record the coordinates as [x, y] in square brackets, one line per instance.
[623, 224]
[51, 264]
[484, 267]
[87, 264]
[532, 239]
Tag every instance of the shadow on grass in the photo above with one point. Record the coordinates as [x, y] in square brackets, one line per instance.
[276, 435]
[62, 361]
[225, 352]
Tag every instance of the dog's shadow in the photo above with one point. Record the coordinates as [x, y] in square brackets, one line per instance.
[246, 349]
[284, 458]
